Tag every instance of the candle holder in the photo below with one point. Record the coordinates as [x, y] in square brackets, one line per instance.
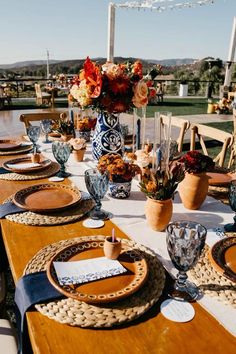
[112, 248]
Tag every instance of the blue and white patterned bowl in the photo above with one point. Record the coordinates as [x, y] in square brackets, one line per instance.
[120, 190]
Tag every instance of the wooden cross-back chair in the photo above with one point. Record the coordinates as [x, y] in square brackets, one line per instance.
[233, 150]
[27, 118]
[181, 124]
[202, 133]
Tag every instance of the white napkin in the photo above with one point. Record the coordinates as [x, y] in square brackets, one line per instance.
[83, 271]
[214, 235]
[23, 166]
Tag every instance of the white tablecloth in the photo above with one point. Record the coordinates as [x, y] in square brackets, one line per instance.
[129, 215]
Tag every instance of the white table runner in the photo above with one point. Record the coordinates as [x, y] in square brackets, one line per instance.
[129, 215]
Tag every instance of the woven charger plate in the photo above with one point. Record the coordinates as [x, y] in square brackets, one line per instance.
[211, 282]
[57, 218]
[47, 172]
[78, 313]
[20, 150]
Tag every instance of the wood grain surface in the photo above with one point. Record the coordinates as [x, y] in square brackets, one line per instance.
[152, 333]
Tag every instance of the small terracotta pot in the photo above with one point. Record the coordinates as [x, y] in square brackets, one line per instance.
[158, 213]
[193, 190]
[78, 154]
[35, 158]
[112, 249]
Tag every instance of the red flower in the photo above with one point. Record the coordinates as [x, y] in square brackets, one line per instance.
[152, 92]
[196, 162]
[119, 86]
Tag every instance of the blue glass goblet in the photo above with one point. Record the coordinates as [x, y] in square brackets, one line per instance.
[185, 242]
[33, 133]
[232, 203]
[97, 186]
[61, 151]
[46, 127]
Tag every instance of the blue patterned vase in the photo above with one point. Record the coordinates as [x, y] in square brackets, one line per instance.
[107, 136]
[120, 190]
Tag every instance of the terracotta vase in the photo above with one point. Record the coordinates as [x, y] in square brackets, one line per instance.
[193, 190]
[78, 155]
[158, 213]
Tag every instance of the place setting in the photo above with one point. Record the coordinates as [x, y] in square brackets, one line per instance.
[215, 273]
[89, 275]
[25, 168]
[46, 204]
[35, 165]
[14, 147]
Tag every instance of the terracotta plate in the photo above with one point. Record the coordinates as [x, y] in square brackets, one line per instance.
[24, 160]
[103, 290]
[9, 144]
[223, 257]
[220, 179]
[47, 197]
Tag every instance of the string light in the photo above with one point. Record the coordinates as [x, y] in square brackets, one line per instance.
[161, 5]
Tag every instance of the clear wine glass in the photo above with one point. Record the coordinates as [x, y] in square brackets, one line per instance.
[33, 133]
[185, 241]
[232, 203]
[46, 127]
[61, 151]
[97, 186]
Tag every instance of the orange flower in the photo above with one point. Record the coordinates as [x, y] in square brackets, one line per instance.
[137, 69]
[151, 187]
[93, 78]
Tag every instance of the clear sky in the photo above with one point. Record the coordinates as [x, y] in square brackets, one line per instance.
[77, 28]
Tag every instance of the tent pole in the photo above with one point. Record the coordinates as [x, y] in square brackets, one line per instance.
[111, 32]
[228, 71]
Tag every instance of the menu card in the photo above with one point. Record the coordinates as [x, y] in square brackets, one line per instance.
[84, 271]
[23, 166]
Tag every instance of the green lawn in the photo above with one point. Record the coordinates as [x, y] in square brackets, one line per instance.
[178, 106]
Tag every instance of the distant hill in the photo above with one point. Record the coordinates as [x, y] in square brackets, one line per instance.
[173, 62]
[22, 64]
[31, 63]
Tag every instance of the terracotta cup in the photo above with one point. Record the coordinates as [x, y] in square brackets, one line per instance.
[112, 249]
[35, 158]
[78, 155]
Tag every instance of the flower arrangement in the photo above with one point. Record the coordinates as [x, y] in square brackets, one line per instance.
[223, 106]
[196, 162]
[86, 124]
[65, 127]
[78, 143]
[161, 185]
[119, 170]
[114, 88]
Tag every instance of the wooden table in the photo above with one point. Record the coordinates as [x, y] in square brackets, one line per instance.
[152, 333]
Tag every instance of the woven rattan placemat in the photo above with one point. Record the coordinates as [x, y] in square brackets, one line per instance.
[63, 217]
[219, 193]
[78, 313]
[20, 150]
[211, 282]
[45, 173]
